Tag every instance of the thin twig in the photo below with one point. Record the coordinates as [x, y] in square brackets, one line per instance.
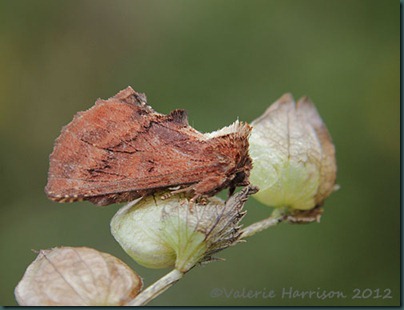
[156, 288]
[273, 220]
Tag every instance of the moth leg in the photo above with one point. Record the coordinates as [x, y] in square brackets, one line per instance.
[209, 186]
[206, 187]
[166, 195]
[194, 199]
[176, 190]
[201, 199]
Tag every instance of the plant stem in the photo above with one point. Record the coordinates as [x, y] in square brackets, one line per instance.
[273, 220]
[156, 288]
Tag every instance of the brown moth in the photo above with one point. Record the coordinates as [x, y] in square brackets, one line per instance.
[121, 149]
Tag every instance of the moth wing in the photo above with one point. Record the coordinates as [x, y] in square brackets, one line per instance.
[120, 146]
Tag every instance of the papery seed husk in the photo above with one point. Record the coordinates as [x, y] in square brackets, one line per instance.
[293, 155]
[79, 276]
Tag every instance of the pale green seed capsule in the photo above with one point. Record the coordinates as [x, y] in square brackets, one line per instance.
[293, 156]
[138, 230]
[176, 232]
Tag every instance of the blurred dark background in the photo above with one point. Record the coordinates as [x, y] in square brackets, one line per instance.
[219, 60]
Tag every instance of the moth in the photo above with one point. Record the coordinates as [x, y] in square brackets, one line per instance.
[121, 149]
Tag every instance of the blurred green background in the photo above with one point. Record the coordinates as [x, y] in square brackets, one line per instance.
[219, 60]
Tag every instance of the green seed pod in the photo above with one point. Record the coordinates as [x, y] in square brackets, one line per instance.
[176, 232]
[293, 156]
